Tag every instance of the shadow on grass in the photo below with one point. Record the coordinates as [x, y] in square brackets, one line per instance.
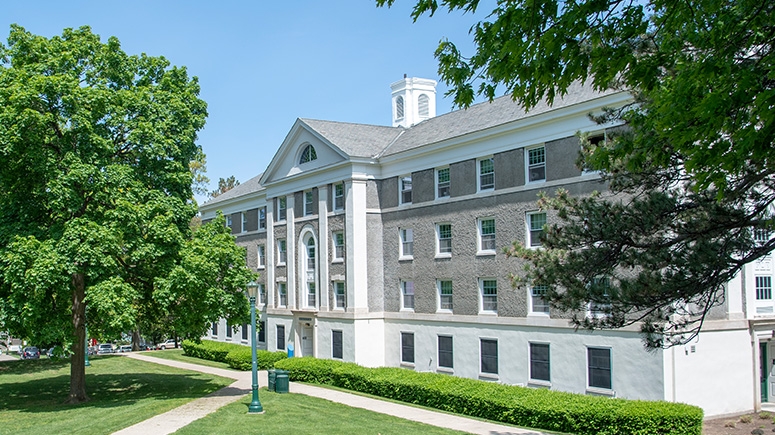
[48, 392]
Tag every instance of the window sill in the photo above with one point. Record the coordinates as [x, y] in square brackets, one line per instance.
[489, 377]
[488, 313]
[485, 254]
[443, 255]
[280, 264]
[407, 365]
[337, 260]
[407, 310]
[261, 267]
[538, 314]
[445, 370]
[444, 311]
[406, 258]
[595, 391]
[539, 383]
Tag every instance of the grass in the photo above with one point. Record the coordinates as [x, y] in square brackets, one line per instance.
[299, 414]
[123, 391]
[177, 355]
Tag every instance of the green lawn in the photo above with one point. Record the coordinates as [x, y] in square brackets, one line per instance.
[177, 355]
[123, 391]
[298, 414]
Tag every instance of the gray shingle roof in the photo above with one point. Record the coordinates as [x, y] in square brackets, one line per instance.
[356, 140]
[249, 186]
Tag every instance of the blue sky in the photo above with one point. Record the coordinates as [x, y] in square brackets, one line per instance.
[262, 64]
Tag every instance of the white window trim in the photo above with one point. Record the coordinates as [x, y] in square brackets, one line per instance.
[485, 375]
[401, 286]
[531, 308]
[479, 250]
[440, 254]
[528, 236]
[278, 285]
[309, 208]
[345, 296]
[436, 182]
[401, 190]
[401, 348]
[401, 254]
[283, 219]
[281, 263]
[337, 259]
[481, 296]
[444, 369]
[599, 390]
[527, 164]
[540, 382]
[334, 206]
[261, 264]
[260, 209]
[438, 297]
[244, 223]
[479, 174]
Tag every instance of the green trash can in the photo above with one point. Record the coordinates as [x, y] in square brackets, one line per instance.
[281, 381]
[272, 374]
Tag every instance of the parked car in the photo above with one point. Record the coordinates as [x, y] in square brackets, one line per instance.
[125, 348]
[169, 344]
[104, 348]
[30, 352]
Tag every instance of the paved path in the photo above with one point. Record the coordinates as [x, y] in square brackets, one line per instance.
[175, 419]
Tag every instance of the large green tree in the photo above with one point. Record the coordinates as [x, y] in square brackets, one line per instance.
[689, 179]
[96, 152]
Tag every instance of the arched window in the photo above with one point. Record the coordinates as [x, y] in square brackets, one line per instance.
[308, 154]
[399, 107]
[422, 105]
[308, 269]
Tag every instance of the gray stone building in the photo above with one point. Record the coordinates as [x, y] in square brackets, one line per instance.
[382, 245]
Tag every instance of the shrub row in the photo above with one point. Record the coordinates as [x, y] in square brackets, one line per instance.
[236, 356]
[520, 406]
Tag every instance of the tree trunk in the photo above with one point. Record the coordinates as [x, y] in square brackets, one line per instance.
[136, 340]
[77, 360]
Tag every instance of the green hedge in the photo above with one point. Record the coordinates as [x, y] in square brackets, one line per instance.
[519, 406]
[236, 356]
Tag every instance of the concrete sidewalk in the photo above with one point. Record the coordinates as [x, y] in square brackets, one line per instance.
[175, 419]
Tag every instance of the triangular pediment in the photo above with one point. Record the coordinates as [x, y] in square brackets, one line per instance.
[303, 150]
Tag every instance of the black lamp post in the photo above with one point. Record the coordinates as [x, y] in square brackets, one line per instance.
[255, 406]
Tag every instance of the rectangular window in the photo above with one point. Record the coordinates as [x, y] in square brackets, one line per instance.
[761, 236]
[281, 251]
[228, 330]
[244, 331]
[444, 239]
[601, 306]
[445, 295]
[228, 221]
[536, 164]
[308, 203]
[281, 208]
[599, 367]
[763, 287]
[407, 243]
[538, 305]
[336, 344]
[446, 357]
[261, 256]
[535, 228]
[442, 183]
[282, 295]
[407, 347]
[280, 337]
[489, 356]
[262, 218]
[406, 189]
[487, 236]
[215, 328]
[244, 222]
[407, 295]
[339, 196]
[539, 362]
[311, 294]
[486, 174]
[338, 245]
[489, 291]
[262, 294]
[262, 332]
[340, 300]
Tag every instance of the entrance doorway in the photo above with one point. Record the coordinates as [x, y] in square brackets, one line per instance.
[763, 372]
[306, 340]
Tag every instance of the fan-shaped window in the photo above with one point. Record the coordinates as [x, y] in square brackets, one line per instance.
[399, 107]
[308, 154]
[422, 105]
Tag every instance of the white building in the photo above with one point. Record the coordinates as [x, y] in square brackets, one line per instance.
[381, 245]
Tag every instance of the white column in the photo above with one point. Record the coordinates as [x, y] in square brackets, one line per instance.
[323, 255]
[290, 246]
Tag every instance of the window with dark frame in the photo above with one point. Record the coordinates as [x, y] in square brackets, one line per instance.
[446, 356]
[280, 337]
[336, 344]
[245, 331]
[262, 218]
[228, 330]
[486, 174]
[262, 331]
[489, 356]
[215, 328]
[339, 196]
[406, 189]
[539, 362]
[763, 287]
[599, 367]
[407, 347]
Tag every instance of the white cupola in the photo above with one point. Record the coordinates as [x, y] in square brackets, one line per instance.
[414, 101]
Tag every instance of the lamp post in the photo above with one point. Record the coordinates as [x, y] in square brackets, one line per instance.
[255, 406]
